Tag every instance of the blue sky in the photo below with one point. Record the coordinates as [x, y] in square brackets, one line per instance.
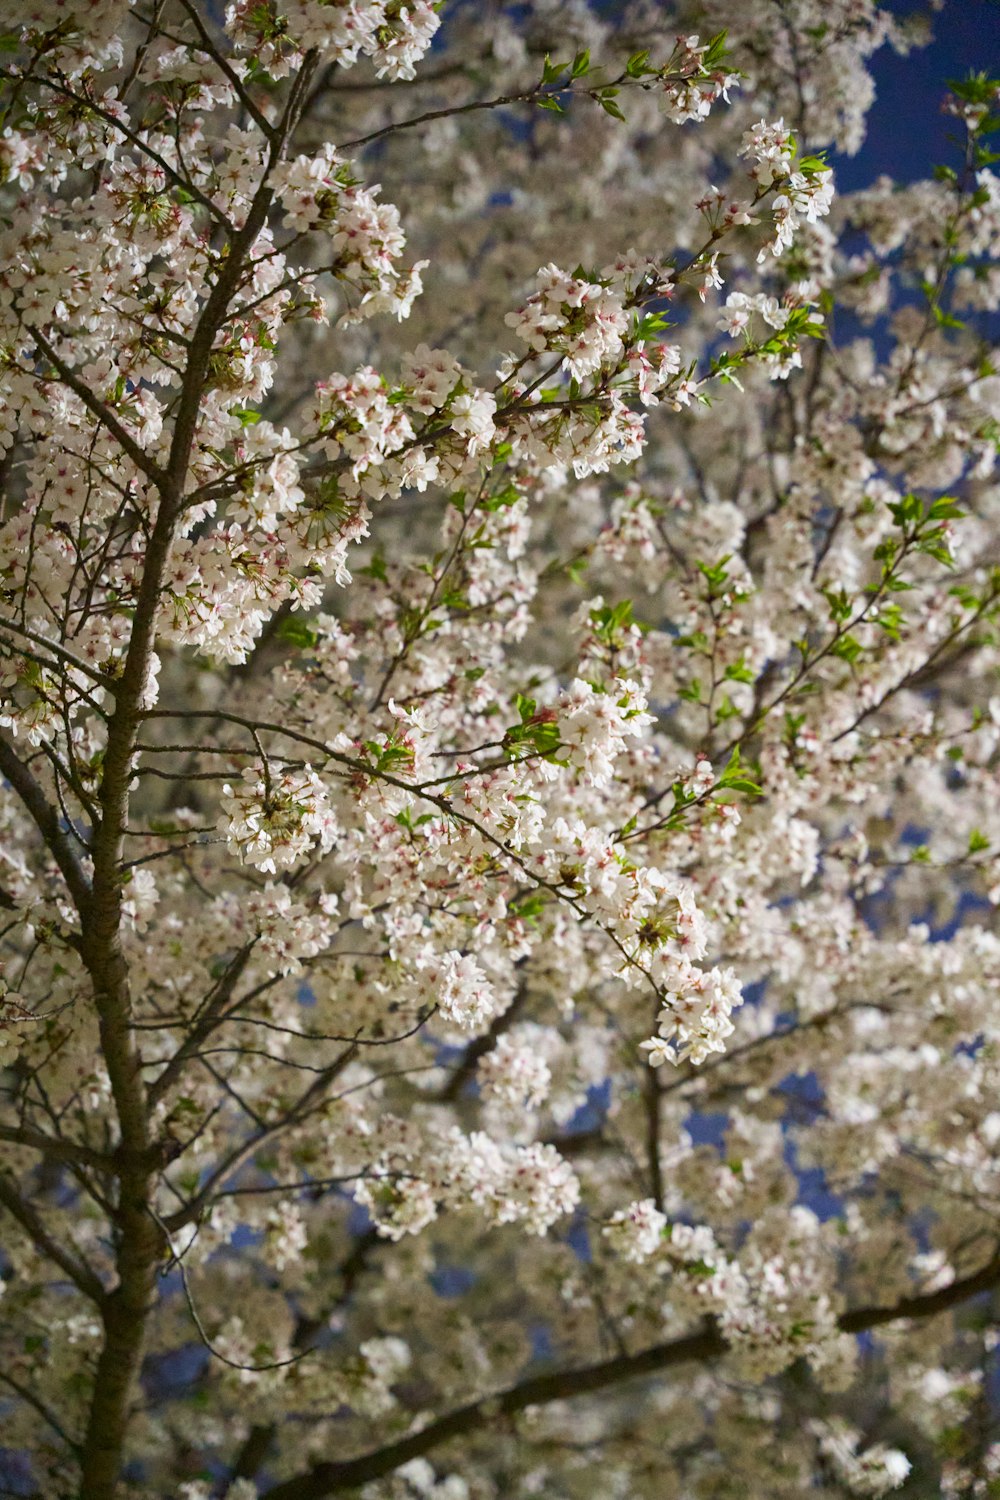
[907, 133]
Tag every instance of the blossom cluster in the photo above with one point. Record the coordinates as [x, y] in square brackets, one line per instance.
[394, 36]
[691, 96]
[875, 1471]
[415, 735]
[583, 321]
[274, 817]
[527, 1185]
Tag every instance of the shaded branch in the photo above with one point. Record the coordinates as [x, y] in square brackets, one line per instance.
[707, 1344]
[481, 1046]
[44, 1411]
[312, 1097]
[51, 1145]
[83, 1278]
[98, 409]
[48, 823]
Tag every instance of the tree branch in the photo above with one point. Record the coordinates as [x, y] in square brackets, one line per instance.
[98, 409]
[41, 1408]
[140, 1238]
[481, 1046]
[83, 1278]
[48, 823]
[293, 1116]
[708, 1344]
[50, 1145]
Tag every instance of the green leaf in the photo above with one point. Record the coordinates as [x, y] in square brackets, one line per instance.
[638, 64]
[406, 820]
[715, 52]
[978, 841]
[538, 728]
[610, 622]
[934, 546]
[848, 648]
[738, 671]
[550, 102]
[376, 569]
[734, 777]
[978, 88]
[945, 320]
[744, 784]
[840, 604]
[650, 324]
[946, 508]
[580, 65]
[296, 632]
[529, 908]
[389, 757]
[890, 619]
[715, 576]
[509, 495]
[906, 510]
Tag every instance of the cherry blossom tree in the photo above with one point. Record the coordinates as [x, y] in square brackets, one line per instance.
[500, 750]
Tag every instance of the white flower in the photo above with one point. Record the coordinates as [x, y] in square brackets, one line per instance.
[636, 1232]
[464, 994]
[658, 1051]
[276, 817]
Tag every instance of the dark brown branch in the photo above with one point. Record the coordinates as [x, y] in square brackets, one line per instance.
[83, 1278]
[48, 823]
[44, 1411]
[99, 410]
[308, 1101]
[526, 96]
[139, 1237]
[258, 1441]
[202, 1025]
[927, 1304]
[708, 1344]
[51, 1145]
[651, 1099]
[218, 57]
[57, 648]
[481, 1046]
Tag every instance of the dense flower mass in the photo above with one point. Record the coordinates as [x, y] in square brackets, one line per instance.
[499, 742]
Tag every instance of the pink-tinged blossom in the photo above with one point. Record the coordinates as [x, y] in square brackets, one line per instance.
[584, 322]
[636, 1232]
